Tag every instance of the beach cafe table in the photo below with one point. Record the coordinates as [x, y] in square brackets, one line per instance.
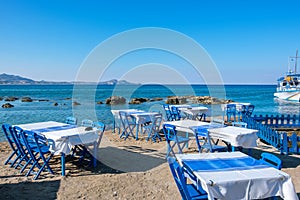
[236, 136]
[65, 137]
[235, 175]
[116, 116]
[140, 117]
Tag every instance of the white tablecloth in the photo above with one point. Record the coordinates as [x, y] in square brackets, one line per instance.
[194, 111]
[236, 136]
[252, 180]
[64, 138]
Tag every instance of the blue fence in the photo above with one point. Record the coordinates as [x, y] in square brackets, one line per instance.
[280, 140]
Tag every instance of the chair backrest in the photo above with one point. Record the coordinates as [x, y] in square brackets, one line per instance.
[168, 112]
[100, 130]
[17, 131]
[156, 121]
[271, 160]
[175, 113]
[87, 123]
[169, 131]
[175, 168]
[207, 140]
[71, 120]
[230, 111]
[7, 129]
[27, 138]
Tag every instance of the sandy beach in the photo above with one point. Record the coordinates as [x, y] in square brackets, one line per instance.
[126, 170]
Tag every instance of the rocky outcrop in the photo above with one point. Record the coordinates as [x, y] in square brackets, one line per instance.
[26, 99]
[7, 105]
[138, 100]
[196, 99]
[115, 100]
[11, 98]
[176, 100]
[76, 103]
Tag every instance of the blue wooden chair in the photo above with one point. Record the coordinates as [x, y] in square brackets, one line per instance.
[7, 129]
[175, 113]
[204, 141]
[24, 156]
[187, 191]
[153, 128]
[271, 160]
[86, 152]
[173, 140]
[128, 124]
[167, 112]
[42, 150]
[231, 112]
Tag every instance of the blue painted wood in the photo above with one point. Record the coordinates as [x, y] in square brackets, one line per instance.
[281, 141]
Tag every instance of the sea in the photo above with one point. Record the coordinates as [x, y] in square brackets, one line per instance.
[56, 102]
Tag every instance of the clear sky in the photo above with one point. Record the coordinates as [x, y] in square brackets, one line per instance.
[249, 41]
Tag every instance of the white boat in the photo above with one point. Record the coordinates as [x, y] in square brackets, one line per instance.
[288, 86]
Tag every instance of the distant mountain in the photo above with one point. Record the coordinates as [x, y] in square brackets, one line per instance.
[6, 79]
[12, 79]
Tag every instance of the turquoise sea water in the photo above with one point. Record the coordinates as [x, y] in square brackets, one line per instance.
[87, 95]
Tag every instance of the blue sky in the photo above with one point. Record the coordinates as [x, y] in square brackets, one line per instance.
[249, 41]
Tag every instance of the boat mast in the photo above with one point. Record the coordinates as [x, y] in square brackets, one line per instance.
[296, 59]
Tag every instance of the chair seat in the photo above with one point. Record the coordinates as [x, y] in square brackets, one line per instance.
[194, 193]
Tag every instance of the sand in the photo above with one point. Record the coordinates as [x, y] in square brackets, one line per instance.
[126, 170]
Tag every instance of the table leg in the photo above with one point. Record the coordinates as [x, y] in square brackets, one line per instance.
[95, 154]
[63, 164]
[114, 124]
[137, 131]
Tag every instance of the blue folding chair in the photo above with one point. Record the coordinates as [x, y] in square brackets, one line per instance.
[230, 112]
[204, 141]
[7, 129]
[42, 149]
[271, 160]
[172, 137]
[22, 149]
[85, 123]
[167, 112]
[128, 124]
[85, 151]
[187, 191]
[175, 113]
[153, 128]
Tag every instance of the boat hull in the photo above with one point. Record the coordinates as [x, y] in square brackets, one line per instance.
[290, 96]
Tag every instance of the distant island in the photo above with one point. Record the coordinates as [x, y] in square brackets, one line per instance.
[7, 79]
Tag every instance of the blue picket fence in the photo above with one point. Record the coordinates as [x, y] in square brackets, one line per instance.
[280, 140]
